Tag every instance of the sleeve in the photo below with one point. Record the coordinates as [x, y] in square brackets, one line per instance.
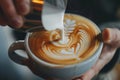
[116, 57]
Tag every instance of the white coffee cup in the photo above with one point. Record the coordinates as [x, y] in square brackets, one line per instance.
[49, 70]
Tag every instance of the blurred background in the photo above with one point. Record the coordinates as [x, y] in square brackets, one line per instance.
[99, 11]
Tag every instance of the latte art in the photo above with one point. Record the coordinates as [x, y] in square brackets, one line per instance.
[80, 42]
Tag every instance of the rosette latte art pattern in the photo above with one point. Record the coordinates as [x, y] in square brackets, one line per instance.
[80, 42]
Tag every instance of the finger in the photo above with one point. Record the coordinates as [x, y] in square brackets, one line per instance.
[111, 36]
[2, 19]
[105, 57]
[2, 22]
[93, 71]
[22, 6]
[10, 14]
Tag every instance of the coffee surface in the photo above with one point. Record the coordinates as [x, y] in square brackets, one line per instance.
[80, 41]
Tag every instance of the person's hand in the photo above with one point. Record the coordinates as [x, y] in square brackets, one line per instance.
[11, 12]
[111, 38]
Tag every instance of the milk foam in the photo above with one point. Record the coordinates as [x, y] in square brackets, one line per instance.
[79, 44]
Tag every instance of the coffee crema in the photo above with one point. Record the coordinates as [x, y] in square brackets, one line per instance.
[80, 41]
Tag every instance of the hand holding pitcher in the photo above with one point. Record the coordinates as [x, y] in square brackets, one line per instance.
[12, 11]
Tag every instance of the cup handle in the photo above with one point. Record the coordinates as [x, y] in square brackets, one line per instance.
[13, 55]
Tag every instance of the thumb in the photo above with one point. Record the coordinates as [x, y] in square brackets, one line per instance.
[111, 36]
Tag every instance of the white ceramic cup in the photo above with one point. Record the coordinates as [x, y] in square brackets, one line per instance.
[48, 70]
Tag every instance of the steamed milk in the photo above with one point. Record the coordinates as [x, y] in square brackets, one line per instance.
[80, 41]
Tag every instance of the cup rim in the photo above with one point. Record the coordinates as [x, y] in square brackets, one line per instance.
[42, 62]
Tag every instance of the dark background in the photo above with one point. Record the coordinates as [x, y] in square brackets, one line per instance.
[100, 11]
